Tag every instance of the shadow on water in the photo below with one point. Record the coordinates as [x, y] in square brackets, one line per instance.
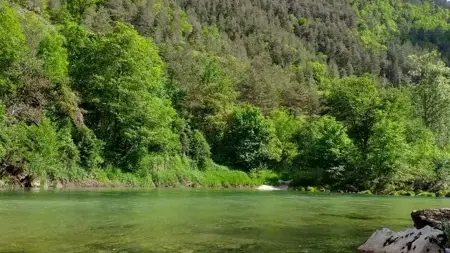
[352, 216]
[285, 238]
[255, 247]
[103, 247]
[200, 248]
[115, 227]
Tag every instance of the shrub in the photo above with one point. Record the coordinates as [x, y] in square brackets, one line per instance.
[250, 140]
[264, 176]
[199, 150]
[312, 189]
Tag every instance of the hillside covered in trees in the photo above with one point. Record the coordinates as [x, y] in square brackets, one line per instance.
[345, 95]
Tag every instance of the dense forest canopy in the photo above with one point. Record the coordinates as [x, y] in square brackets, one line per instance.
[346, 94]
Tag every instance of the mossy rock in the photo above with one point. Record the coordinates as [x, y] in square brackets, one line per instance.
[366, 192]
[426, 194]
[406, 193]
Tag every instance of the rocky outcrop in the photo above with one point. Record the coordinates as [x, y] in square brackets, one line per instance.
[426, 240]
[431, 217]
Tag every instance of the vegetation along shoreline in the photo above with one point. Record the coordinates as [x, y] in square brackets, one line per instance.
[343, 95]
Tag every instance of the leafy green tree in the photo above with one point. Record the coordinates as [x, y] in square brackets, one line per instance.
[386, 150]
[286, 127]
[262, 85]
[202, 88]
[120, 79]
[249, 140]
[39, 152]
[78, 8]
[54, 57]
[355, 101]
[212, 97]
[199, 150]
[12, 39]
[325, 153]
[431, 91]
[89, 147]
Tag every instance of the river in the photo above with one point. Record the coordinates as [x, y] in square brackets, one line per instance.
[190, 221]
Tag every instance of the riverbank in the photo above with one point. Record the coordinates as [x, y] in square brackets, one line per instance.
[214, 177]
[246, 182]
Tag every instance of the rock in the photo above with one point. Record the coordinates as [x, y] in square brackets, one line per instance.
[426, 240]
[57, 185]
[35, 183]
[431, 217]
[267, 188]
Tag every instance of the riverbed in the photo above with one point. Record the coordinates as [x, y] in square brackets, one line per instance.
[190, 220]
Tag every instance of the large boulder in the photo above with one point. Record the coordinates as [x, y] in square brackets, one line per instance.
[435, 218]
[426, 240]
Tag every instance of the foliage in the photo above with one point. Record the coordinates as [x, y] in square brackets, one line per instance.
[324, 154]
[286, 126]
[431, 90]
[249, 139]
[355, 101]
[199, 149]
[12, 39]
[347, 95]
[119, 77]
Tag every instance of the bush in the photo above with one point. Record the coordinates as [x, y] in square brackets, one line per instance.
[325, 153]
[249, 140]
[226, 178]
[90, 148]
[199, 150]
[264, 176]
[312, 189]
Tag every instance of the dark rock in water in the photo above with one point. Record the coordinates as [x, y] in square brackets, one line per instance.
[435, 218]
[425, 240]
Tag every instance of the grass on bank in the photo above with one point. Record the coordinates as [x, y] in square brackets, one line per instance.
[180, 172]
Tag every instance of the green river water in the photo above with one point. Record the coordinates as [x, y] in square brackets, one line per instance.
[189, 221]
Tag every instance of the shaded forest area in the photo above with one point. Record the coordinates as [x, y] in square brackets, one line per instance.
[344, 95]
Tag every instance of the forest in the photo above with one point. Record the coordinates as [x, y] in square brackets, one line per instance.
[342, 95]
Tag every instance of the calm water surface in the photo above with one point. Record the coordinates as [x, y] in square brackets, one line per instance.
[189, 221]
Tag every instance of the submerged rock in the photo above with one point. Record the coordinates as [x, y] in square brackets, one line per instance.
[434, 218]
[426, 240]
